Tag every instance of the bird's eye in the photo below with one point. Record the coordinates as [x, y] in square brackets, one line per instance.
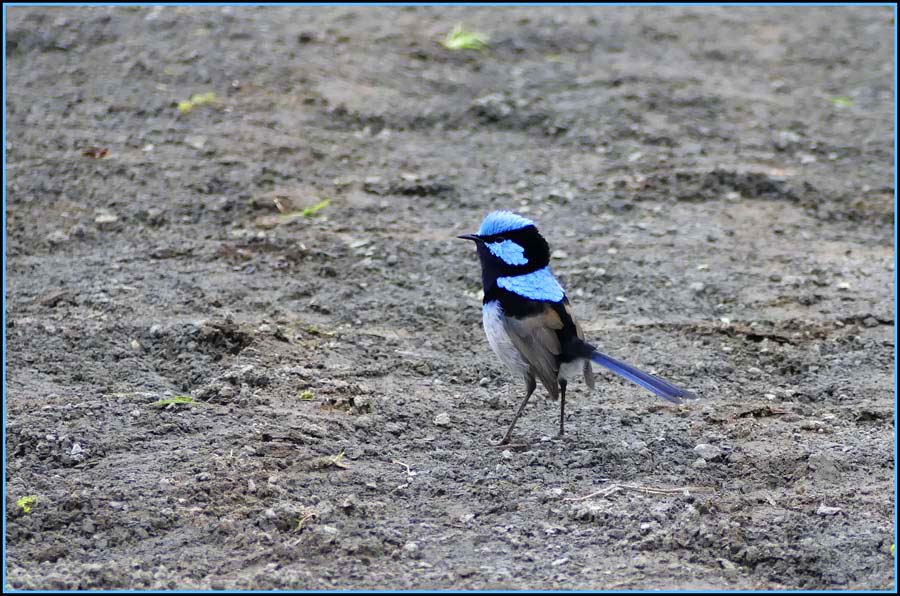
[501, 239]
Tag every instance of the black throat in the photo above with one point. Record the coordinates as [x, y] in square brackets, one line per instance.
[537, 252]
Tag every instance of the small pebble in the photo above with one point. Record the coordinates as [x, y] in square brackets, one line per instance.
[707, 451]
[826, 510]
[442, 419]
[106, 218]
[57, 237]
[411, 549]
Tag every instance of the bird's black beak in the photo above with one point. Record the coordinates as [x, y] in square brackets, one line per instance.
[475, 237]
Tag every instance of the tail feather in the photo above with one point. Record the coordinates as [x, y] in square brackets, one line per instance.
[664, 389]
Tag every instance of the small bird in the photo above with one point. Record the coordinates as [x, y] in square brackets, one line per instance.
[529, 322]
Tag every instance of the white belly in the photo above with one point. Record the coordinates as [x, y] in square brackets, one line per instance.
[571, 371]
[497, 336]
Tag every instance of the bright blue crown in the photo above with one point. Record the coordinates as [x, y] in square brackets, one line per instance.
[498, 222]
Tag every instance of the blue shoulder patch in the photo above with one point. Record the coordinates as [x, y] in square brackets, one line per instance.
[498, 222]
[537, 285]
[510, 252]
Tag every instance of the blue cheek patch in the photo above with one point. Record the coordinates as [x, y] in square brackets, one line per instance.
[537, 285]
[510, 252]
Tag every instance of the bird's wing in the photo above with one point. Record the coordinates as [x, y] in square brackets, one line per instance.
[588, 371]
[536, 339]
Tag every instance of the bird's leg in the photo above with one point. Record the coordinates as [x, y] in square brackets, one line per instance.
[530, 384]
[562, 407]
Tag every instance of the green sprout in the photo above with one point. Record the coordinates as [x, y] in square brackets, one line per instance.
[313, 330]
[461, 39]
[178, 400]
[315, 208]
[197, 100]
[306, 517]
[307, 395]
[841, 102]
[26, 504]
[892, 550]
[338, 460]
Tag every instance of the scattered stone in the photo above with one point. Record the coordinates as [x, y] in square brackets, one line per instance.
[707, 451]
[106, 220]
[412, 550]
[697, 287]
[786, 138]
[826, 510]
[442, 419]
[484, 381]
[814, 425]
[700, 463]
[196, 141]
[57, 237]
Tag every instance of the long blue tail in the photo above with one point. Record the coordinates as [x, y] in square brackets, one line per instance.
[661, 388]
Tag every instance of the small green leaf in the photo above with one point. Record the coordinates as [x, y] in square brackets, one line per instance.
[315, 208]
[198, 99]
[26, 504]
[461, 39]
[178, 400]
[338, 460]
[202, 98]
[307, 395]
[842, 102]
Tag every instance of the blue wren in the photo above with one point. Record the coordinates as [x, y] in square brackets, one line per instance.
[528, 319]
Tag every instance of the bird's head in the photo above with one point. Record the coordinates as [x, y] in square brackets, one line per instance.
[508, 245]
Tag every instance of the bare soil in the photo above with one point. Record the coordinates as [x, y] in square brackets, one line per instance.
[716, 183]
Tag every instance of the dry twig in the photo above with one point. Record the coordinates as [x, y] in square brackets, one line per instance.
[610, 490]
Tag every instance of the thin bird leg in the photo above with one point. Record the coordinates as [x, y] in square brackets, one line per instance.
[530, 384]
[562, 407]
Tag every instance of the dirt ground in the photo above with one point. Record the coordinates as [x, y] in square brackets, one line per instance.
[716, 185]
